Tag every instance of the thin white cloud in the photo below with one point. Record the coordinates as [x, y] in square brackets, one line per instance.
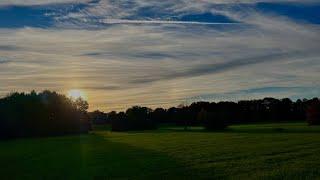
[120, 21]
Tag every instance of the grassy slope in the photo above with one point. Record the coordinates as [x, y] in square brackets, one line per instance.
[273, 151]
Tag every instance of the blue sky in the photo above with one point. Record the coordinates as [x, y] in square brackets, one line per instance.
[161, 53]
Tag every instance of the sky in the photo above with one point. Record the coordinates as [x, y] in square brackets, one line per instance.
[164, 53]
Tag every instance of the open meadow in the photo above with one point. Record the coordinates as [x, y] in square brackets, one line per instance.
[260, 151]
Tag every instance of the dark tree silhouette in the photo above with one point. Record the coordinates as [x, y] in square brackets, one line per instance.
[135, 118]
[99, 118]
[313, 112]
[216, 116]
[119, 121]
[139, 118]
[41, 114]
[213, 120]
[48, 113]
[160, 115]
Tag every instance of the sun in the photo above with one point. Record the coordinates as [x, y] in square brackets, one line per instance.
[76, 93]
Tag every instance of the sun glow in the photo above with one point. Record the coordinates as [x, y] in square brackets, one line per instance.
[76, 93]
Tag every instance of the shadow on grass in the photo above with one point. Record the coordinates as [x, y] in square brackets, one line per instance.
[84, 157]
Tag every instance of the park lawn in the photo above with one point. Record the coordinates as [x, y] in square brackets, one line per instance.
[260, 151]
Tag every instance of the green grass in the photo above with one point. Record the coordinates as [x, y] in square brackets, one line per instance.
[264, 151]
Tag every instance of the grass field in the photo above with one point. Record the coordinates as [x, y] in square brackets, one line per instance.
[265, 151]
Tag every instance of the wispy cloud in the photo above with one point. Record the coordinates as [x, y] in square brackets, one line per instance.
[167, 52]
[3, 60]
[293, 92]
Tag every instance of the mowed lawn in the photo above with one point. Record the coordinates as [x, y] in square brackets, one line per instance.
[262, 151]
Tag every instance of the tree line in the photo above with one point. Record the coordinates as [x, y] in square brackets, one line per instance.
[49, 113]
[213, 115]
[42, 114]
